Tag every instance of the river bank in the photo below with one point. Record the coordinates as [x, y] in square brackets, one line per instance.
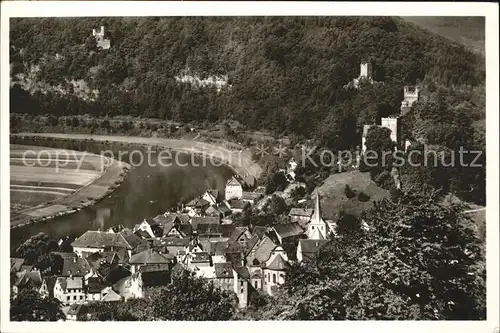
[112, 174]
[239, 161]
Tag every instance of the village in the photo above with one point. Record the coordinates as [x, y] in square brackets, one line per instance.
[120, 263]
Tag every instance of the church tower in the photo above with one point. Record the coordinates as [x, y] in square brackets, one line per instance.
[317, 228]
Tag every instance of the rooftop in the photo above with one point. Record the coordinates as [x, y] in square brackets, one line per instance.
[101, 239]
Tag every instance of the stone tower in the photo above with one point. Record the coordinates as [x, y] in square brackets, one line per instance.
[366, 70]
[410, 94]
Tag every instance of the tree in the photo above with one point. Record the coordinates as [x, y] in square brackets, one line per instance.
[36, 247]
[417, 261]
[30, 306]
[276, 182]
[191, 298]
[276, 205]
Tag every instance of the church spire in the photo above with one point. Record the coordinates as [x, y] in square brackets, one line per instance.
[317, 210]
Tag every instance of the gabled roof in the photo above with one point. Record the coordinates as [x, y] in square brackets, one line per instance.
[223, 270]
[50, 281]
[175, 242]
[24, 277]
[264, 249]
[227, 229]
[242, 272]
[213, 211]
[311, 246]
[16, 263]
[142, 234]
[303, 212]
[286, 230]
[131, 238]
[100, 239]
[75, 266]
[197, 220]
[150, 257]
[75, 282]
[95, 285]
[112, 296]
[236, 234]
[97, 259]
[251, 196]
[198, 203]
[278, 263]
[259, 231]
[233, 182]
[236, 204]
[75, 309]
[200, 257]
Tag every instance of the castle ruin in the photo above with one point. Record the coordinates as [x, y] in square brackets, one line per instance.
[102, 42]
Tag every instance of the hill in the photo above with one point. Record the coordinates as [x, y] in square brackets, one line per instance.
[469, 31]
[285, 75]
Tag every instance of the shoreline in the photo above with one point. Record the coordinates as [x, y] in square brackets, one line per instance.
[82, 198]
[239, 162]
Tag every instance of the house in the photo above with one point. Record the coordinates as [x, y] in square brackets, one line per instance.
[25, 279]
[116, 229]
[410, 97]
[96, 289]
[211, 196]
[274, 272]
[287, 230]
[75, 311]
[250, 181]
[217, 250]
[149, 226]
[251, 197]
[76, 266]
[111, 296]
[197, 207]
[237, 205]
[176, 246]
[130, 287]
[102, 263]
[47, 287]
[15, 264]
[290, 169]
[240, 235]
[307, 248]
[300, 215]
[198, 220]
[234, 190]
[151, 258]
[69, 290]
[99, 241]
[198, 259]
[101, 42]
[241, 280]
[317, 228]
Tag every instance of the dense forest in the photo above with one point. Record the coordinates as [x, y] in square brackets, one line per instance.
[283, 74]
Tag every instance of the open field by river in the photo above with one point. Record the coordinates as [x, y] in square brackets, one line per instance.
[239, 160]
[45, 182]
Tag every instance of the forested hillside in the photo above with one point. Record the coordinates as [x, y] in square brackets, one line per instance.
[283, 74]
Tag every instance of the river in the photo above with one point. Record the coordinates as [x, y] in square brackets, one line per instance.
[149, 189]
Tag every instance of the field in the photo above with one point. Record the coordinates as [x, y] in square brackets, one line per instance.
[45, 181]
[334, 200]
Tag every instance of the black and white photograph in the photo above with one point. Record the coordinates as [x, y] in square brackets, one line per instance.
[197, 162]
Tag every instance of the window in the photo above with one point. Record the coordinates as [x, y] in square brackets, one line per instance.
[256, 285]
[241, 284]
[268, 277]
[312, 227]
[274, 278]
[67, 298]
[74, 298]
[241, 290]
[81, 297]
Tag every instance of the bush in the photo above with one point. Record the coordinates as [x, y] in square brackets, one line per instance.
[363, 197]
[349, 192]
